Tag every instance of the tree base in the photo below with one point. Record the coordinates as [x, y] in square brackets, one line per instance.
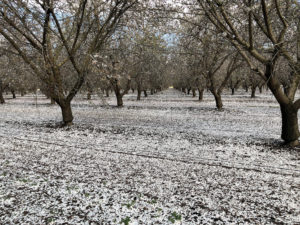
[67, 124]
[292, 143]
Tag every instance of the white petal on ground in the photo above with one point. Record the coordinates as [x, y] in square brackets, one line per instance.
[164, 156]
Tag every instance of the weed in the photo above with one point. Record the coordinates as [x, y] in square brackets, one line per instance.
[174, 217]
[125, 221]
[129, 205]
[154, 201]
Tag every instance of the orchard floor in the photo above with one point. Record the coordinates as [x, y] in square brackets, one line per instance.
[163, 160]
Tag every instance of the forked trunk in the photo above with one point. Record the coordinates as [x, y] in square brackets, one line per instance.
[66, 113]
[289, 110]
[290, 130]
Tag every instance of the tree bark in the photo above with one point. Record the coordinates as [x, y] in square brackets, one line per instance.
[66, 113]
[290, 130]
[139, 93]
[89, 91]
[218, 99]
[194, 92]
[289, 110]
[2, 101]
[107, 92]
[232, 91]
[219, 103]
[89, 95]
[189, 91]
[200, 94]
[119, 99]
[13, 93]
[253, 90]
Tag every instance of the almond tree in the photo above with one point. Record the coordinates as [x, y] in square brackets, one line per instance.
[149, 61]
[216, 59]
[49, 35]
[262, 32]
[234, 81]
[114, 67]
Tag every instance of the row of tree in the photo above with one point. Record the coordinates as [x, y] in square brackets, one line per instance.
[75, 45]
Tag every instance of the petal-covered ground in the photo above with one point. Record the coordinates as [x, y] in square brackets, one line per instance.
[167, 159]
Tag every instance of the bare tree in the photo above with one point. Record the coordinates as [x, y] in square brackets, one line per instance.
[264, 31]
[50, 35]
[115, 71]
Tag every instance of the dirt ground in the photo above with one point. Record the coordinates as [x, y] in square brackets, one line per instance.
[167, 159]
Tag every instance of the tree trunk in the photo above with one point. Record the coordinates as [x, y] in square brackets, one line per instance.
[189, 91]
[89, 95]
[200, 94]
[107, 92]
[260, 89]
[290, 130]
[145, 93]
[218, 100]
[246, 89]
[152, 91]
[66, 113]
[52, 101]
[232, 91]
[253, 89]
[119, 100]
[219, 103]
[183, 90]
[194, 92]
[13, 93]
[139, 93]
[132, 90]
[2, 101]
